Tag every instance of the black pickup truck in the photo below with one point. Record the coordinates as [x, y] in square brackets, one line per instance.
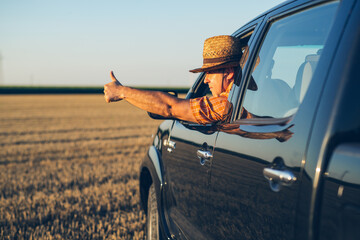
[293, 172]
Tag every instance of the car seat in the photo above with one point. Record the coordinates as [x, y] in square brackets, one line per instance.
[304, 75]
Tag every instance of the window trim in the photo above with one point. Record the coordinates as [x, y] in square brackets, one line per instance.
[263, 121]
[237, 90]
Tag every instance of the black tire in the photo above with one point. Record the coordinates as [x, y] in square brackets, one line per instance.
[152, 219]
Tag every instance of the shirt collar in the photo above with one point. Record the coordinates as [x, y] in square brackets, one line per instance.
[226, 93]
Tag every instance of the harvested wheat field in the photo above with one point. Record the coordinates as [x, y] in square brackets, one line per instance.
[70, 166]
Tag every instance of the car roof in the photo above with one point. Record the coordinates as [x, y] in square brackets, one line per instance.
[294, 3]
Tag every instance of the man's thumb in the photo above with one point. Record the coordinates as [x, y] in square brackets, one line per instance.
[113, 78]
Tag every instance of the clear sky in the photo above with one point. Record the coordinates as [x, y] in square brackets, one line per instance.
[145, 43]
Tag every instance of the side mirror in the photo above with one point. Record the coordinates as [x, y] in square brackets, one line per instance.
[159, 117]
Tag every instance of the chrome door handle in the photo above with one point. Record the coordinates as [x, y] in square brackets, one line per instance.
[204, 156]
[278, 178]
[170, 144]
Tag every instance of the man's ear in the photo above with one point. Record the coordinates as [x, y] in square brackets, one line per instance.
[230, 72]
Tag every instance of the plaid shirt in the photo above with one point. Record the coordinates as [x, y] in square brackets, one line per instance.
[214, 109]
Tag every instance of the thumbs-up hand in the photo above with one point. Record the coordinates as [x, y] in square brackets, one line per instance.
[112, 90]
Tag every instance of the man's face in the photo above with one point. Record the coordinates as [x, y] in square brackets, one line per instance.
[215, 81]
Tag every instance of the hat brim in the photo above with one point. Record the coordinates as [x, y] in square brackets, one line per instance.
[252, 84]
[214, 67]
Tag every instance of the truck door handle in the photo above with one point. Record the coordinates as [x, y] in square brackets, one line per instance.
[203, 156]
[170, 144]
[278, 178]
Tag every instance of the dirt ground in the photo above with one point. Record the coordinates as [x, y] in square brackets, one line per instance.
[69, 167]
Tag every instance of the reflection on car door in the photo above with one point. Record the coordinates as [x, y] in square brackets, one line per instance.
[187, 179]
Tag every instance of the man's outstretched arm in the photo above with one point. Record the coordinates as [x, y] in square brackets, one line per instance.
[157, 102]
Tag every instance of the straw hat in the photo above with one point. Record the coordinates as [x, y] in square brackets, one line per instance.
[222, 52]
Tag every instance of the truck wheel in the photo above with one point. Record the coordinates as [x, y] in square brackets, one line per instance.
[152, 220]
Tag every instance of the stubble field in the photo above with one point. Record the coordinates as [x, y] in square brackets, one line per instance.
[69, 167]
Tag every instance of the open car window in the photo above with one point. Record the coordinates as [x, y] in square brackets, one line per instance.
[286, 62]
[200, 88]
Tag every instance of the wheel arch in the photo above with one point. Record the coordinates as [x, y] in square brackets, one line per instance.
[145, 183]
[150, 173]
